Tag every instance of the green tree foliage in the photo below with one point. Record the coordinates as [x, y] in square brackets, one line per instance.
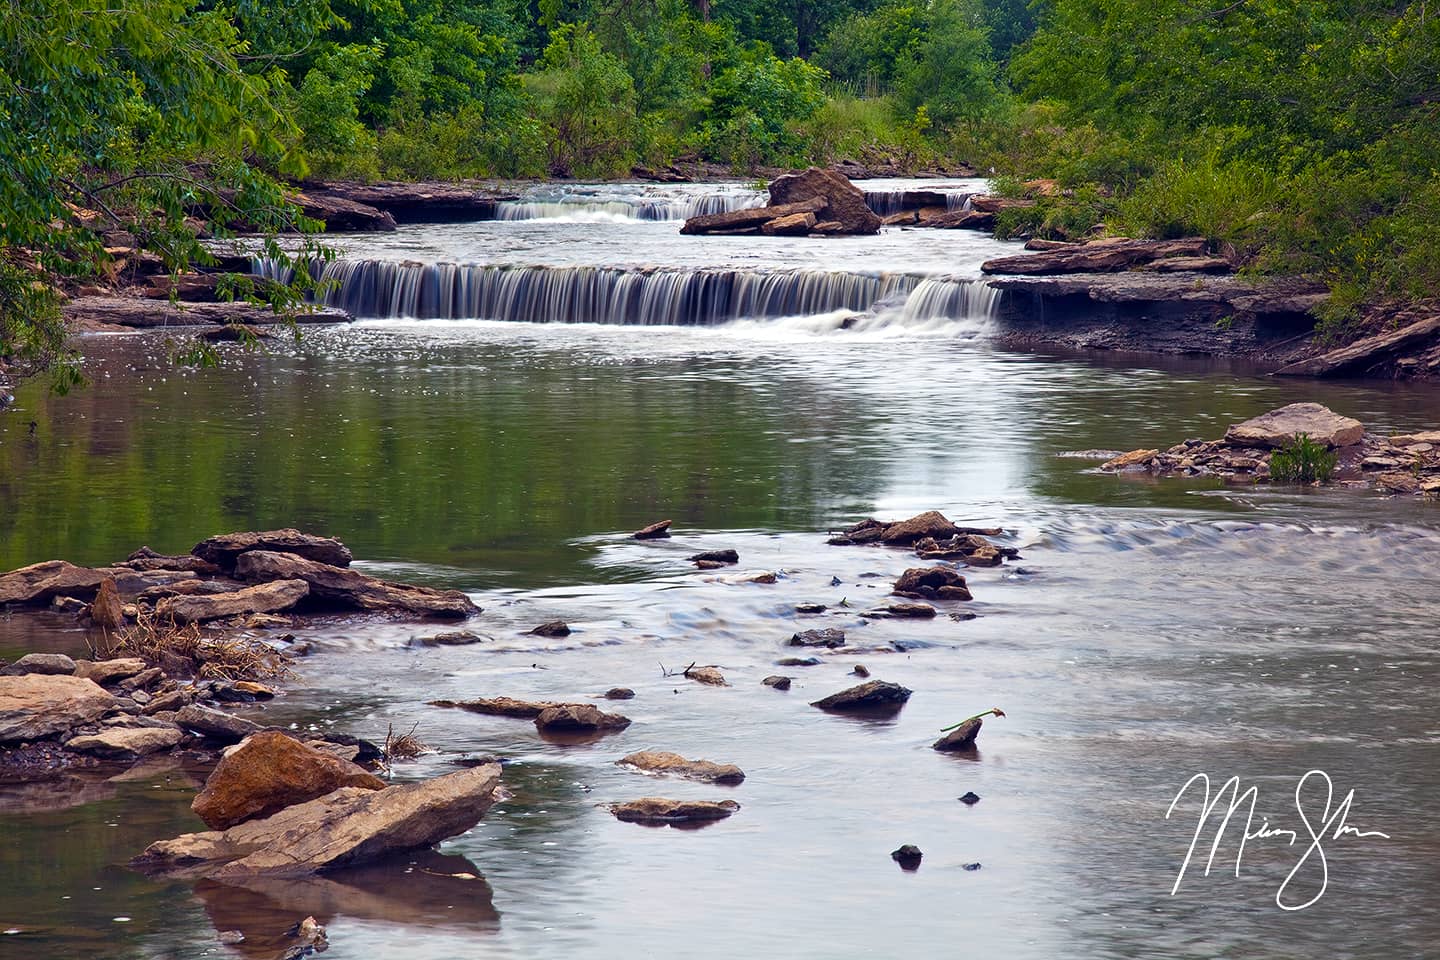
[586, 101]
[951, 73]
[755, 102]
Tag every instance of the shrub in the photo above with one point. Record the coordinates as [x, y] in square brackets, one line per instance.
[1303, 460]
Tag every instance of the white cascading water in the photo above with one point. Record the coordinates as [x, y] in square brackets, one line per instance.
[384, 289]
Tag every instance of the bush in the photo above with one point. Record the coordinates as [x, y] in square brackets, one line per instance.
[1205, 197]
[754, 106]
[1303, 461]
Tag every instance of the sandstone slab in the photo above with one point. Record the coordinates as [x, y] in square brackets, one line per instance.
[35, 706]
[659, 810]
[120, 743]
[225, 549]
[261, 598]
[351, 589]
[1279, 427]
[659, 761]
[872, 696]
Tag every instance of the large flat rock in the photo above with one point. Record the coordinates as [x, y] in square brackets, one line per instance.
[225, 549]
[35, 706]
[1279, 427]
[343, 828]
[342, 587]
[261, 598]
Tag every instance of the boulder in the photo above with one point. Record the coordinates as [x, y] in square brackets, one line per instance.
[499, 706]
[903, 611]
[578, 718]
[799, 662]
[658, 761]
[828, 637]
[844, 202]
[871, 696]
[215, 724]
[39, 582]
[658, 810]
[106, 672]
[225, 549]
[105, 609]
[619, 693]
[342, 215]
[1279, 427]
[795, 225]
[961, 738]
[120, 743]
[451, 638]
[707, 675]
[35, 706]
[343, 828]
[263, 598]
[340, 587]
[268, 772]
[932, 583]
[48, 664]
[749, 220]
[929, 524]
[147, 559]
[908, 856]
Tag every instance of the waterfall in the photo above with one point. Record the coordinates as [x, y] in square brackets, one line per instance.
[374, 289]
[676, 206]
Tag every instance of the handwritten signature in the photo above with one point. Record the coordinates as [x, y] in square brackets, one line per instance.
[1331, 824]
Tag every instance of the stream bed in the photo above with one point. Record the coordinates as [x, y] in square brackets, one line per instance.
[1150, 631]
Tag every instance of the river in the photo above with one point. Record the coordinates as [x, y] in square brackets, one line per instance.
[1150, 632]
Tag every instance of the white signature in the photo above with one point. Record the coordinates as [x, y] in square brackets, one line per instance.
[1332, 824]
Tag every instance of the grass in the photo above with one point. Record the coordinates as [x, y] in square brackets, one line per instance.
[1303, 460]
[185, 648]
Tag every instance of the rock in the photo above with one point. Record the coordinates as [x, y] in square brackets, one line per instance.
[752, 576]
[709, 565]
[795, 225]
[929, 524]
[656, 761]
[499, 706]
[844, 202]
[871, 696]
[861, 670]
[346, 827]
[215, 724]
[141, 681]
[225, 549]
[970, 799]
[105, 609]
[1279, 427]
[970, 867]
[262, 598]
[934, 583]
[47, 664]
[779, 683]
[36, 706]
[716, 556]
[961, 738]
[908, 857]
[189, 588]
[1367, 355]
[1097, 256]
[578, 718]
[106, 672]
[143, 313]
[708, 675]
[342, 215]
[799, 662]
[656, 531]
[119, 743]
[750, 220]
[338, 586]
[37, 583]
[268, 772]
[1428, 438]
[1135, 458]
[172, 701]
[421, 202]
[901, 611]
[453, 638]
[828, 637]
[68, 604]
[658, 810]
[552, 628]
[619, 693]
[810, 608]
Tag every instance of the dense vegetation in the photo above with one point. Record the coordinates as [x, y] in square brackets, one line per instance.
[1303, 135]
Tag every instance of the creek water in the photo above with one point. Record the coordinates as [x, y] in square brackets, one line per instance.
[1150, 632]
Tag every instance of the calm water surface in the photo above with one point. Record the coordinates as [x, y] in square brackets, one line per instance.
[1151, 632]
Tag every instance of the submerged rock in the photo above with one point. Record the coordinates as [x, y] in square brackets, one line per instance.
[268, 772]
[659, 530]
[658, 810]
[716, 556]
[799, 662]
[873, 696]
[827, 637]
[1279, 427]
[657, 761]
[500, 706]
[578, 718]
[552, 628]
[348, 826]
[225, 549]
[908, 857]
[911, 611]
[453, 638]
[933, 583]
[961, 738]
[779, 683]
[619, 693]
[348, 588]
[35, 706]
[707, 675]
[970, 798]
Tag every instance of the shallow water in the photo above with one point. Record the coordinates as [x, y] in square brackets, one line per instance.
[1151, 631]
